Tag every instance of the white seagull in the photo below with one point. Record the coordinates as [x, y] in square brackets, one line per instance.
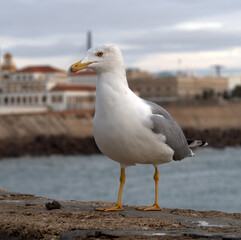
[128, 129]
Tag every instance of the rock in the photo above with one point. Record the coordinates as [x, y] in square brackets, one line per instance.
[69, 145]
[52, 205]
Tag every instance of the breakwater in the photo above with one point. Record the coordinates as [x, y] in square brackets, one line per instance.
[71, 132]
[69, 145]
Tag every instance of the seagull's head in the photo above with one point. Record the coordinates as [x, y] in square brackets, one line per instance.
[106, 58]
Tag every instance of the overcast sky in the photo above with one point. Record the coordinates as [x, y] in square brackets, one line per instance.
[154, 35]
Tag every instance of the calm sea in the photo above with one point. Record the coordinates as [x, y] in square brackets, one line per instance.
[210, 181]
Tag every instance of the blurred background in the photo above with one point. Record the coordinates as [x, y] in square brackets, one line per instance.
[183, 55]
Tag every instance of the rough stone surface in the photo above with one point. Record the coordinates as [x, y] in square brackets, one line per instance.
[26, 217]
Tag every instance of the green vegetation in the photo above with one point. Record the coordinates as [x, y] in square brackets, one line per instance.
[237, 92]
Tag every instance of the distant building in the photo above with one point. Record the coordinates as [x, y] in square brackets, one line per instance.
[136, 73]
[155, 89]
[233, 82]
[71, 97]
[44, 88]
[195, 87]
[7, 68]
[83, 78]
[177, 88]
[29, 86]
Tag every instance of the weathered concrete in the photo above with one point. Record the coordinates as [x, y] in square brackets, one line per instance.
[26, 217]
[76, 124]
[79, 123]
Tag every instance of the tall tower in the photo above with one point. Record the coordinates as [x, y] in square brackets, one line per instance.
[89, 40]
[217, 69]
[7, 67]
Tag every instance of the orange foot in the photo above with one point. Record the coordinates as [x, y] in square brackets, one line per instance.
[109, 209]
[155, 207]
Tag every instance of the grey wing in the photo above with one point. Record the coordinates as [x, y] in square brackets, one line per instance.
[164, 123]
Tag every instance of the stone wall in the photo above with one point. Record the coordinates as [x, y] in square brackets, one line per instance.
[79, 123]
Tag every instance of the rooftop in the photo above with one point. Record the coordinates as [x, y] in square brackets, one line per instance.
[43, 69]
[83, 73]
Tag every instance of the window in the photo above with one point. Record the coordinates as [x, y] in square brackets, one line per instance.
[53, 99]
[24, 87]
[60, 99]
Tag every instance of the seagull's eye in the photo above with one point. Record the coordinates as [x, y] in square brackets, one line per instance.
[99, 54]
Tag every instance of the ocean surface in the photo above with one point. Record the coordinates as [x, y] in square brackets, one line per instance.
[210, 181]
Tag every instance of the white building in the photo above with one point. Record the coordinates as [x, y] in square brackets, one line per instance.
[44, 88]
[71, 97]
[83, 78]
[233, 82]
[27, 89]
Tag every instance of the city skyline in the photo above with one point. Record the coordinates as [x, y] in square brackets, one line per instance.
[153, 35]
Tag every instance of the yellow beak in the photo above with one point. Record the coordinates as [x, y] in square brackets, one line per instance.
[78, 66]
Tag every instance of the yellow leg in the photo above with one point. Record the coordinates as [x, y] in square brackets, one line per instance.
[118, 206]
[155, 206]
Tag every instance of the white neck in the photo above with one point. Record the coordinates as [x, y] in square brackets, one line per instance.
[111, 89]
[115, 80]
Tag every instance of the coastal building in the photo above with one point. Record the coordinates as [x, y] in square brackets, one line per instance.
[27, 89]
[44, 88]
[71, 97]
[233, 82]
[196, 87]
[133, 73]
[84, 78]
[155, 89]
[7, 68]
[174, 88]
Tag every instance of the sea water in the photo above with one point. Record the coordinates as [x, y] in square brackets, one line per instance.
[209, 181]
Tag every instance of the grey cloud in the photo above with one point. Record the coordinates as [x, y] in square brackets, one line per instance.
[38, 18]
[55, 50]
[133, 23]
[184, 41]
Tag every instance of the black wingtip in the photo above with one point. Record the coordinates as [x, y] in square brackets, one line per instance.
[196, 143]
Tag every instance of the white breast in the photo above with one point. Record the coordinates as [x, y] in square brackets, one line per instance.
[122, 128]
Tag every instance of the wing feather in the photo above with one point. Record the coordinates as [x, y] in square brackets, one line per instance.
[164, 123]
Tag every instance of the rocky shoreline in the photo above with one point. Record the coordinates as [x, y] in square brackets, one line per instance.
[43, 145]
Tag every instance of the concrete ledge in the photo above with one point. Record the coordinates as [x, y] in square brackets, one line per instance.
[24, 216]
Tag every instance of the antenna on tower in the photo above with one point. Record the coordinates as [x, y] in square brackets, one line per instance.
[0, 66]
[217, 69]
[179, 67]
[89, 40]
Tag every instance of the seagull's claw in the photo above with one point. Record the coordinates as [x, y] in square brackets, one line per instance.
[109, 209]
[155, 207]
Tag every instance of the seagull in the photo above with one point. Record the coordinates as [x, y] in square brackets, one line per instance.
[128, 129]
